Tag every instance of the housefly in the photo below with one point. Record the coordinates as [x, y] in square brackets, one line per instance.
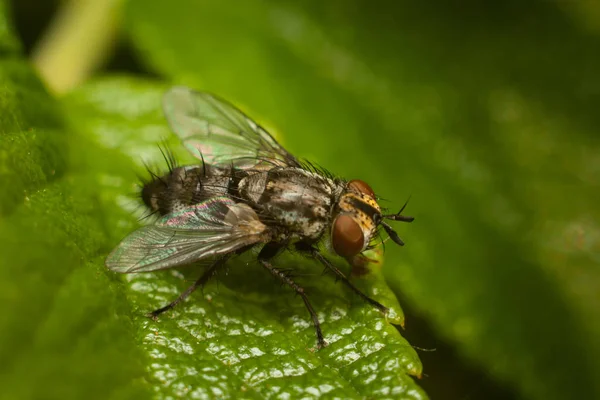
[248, 191]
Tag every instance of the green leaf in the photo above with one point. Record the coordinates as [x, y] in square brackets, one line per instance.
[60, 336]
[488, 118]
[245, 335]
[9, 45]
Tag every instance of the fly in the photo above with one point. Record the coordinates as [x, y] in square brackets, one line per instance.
[248, 191]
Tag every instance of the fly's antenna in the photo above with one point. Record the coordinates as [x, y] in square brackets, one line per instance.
[398, 216]
[394, 217]
[392, 233]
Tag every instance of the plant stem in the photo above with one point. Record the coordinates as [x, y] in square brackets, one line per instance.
[80, 39]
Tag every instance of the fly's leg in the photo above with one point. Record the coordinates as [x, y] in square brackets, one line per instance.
[268, 252]
[199, 283]
[314, 253]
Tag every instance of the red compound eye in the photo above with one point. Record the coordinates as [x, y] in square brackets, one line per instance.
[361, 186]
[347, 236]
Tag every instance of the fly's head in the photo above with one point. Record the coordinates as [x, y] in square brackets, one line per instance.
[357, 219]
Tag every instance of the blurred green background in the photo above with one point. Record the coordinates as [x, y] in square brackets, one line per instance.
[486, 113]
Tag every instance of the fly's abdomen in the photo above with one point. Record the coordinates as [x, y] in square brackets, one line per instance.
[185, 186]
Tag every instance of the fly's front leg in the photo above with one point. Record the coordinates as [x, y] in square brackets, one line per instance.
[312, 252]
[267, 253]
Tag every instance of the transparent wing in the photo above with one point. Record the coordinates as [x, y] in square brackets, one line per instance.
[217, 132]
[216, 226]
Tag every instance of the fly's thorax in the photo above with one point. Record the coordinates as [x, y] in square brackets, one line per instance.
[252, 186]
[294, 199]
[355, 220]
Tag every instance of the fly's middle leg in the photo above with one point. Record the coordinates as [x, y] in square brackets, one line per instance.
[268, 252]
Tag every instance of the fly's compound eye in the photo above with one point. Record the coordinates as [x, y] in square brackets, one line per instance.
[347, 236]
[361, 187]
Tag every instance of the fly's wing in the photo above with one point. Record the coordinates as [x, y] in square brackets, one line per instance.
[216, 226]
[216, 132]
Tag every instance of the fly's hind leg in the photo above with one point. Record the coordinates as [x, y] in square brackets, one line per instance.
[199, 283]
[312, 252]
[268, 252]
